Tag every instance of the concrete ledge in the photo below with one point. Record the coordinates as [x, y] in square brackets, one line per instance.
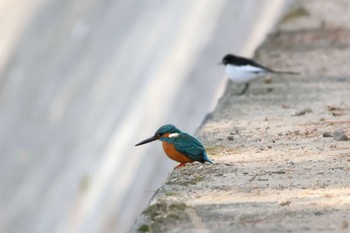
[281, 153]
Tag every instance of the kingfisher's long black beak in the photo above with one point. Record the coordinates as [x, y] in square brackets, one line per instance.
[151, 139]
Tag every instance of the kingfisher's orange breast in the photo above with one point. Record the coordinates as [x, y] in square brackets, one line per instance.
[173, 154]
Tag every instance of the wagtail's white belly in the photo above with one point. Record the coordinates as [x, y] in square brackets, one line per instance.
[243, 74]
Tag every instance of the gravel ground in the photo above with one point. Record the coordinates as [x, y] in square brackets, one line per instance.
[282, 151]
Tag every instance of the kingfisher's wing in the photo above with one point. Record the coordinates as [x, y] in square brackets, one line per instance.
[190, 146]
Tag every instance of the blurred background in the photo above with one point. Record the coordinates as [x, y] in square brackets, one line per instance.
[82, 81]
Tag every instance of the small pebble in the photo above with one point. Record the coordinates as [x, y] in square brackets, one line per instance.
[302, 112]
[334, 108]
[344, 224]
[326, 134]
[339, 135]
[234, 131]
[268, 80]
[318, 213]
[337, 113]
[230, 138]
[283, 203]
[341, 79]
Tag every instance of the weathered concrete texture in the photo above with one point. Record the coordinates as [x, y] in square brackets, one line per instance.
[281, 152]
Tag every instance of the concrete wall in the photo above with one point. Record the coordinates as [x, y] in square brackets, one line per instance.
[82, 81]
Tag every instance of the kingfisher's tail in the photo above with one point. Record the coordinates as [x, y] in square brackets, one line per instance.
[209, 161]
[206, 159]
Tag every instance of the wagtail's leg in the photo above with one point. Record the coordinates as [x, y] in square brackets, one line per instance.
[244, 89]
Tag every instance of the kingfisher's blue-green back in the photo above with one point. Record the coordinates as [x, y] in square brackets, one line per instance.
[190, 147]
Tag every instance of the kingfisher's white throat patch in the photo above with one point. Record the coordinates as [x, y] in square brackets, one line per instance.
[174, 135]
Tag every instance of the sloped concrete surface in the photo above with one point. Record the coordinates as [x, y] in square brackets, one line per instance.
[280, 164]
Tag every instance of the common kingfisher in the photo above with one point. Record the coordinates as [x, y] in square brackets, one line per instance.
[178, 145]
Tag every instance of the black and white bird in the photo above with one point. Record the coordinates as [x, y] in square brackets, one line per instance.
[244, 70]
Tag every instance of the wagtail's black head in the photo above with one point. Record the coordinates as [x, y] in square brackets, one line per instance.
[227, 59]
[232, 59]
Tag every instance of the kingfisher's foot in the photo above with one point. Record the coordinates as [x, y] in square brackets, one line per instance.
[180, 165]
